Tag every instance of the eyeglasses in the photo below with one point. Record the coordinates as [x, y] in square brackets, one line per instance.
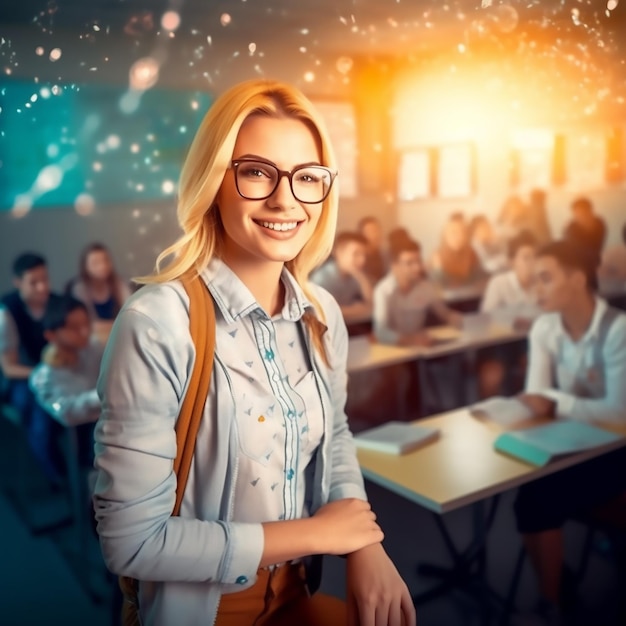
[258, 180]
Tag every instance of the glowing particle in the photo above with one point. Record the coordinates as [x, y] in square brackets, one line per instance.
[611, 5]
[84, 204]
[344, 65]
[55, 54]
[194, 105]
[96, 166]
[170, 20]
[96, 28]
[302, 49]
[485, 4]
[49, 178]
[22, 205]
[167, 186]
[309, 77]
[33, 98]
[57, 90]
[144, 73]
[461, 48]
[251, 48]
[113, 141]
[225, 19]
[52, 151]
[134, 148]
[209, 40]
[304, 31]
[39, 51]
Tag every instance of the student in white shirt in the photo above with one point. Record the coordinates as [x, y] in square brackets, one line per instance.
[577, 370]
[510, 296]
[404, 298]
[513, 290]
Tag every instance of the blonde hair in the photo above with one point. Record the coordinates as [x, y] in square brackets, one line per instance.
[202, 174]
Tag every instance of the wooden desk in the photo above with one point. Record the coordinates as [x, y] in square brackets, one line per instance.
[461, 467]
[364, 355]
[466, 298]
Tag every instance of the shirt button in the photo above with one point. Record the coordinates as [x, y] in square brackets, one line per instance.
[242, 580]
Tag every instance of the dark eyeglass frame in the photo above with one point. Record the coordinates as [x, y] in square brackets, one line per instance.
[235, 163]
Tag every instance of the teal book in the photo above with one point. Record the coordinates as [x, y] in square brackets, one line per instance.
[395, 437]
[542, 444]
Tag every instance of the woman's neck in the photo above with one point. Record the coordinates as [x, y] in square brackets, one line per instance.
[263, 281]
[577, 319]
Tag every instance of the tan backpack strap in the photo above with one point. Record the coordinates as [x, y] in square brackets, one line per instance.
[202, 328]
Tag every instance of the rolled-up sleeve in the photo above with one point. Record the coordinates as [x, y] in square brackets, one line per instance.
[143, 380]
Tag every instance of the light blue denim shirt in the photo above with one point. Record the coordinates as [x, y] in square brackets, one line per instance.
[206, 551]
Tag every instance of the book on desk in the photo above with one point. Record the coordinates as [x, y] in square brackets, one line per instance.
[542, 444]
[395, 437]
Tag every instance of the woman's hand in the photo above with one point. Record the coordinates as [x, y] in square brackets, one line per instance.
[347, 525]
[376, 594]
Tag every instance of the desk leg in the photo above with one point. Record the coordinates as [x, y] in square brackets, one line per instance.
[468, 570]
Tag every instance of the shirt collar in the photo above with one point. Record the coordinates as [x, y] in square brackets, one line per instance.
[593, 328]
[235, 300]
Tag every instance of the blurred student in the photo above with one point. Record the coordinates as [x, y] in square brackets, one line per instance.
[64, 383]
[404, 299]
[586, 230]
[455, 263]
[537, 219]
[511, 297]
[613, 267]
[99, 287]
[343, 275]
[375, 266]
[577, 369]
[488, 246]
[21, 343]
[513, 291]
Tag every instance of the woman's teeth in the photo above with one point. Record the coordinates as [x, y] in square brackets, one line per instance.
[279, 226]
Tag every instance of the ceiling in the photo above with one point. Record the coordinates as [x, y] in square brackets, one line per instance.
[319, 42]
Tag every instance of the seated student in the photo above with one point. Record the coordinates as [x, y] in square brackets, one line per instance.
[404, 298]
[577, 369]
[510, 295]
[64, 383]
[99, 287]
[21, 343]
[455, 263]
[586, 230]
[375, 266]
[488, 246]
[344, 277]
[513, 291]
[403, 302]
[613, 267]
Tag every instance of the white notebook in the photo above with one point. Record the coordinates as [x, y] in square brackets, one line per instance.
[395, 437]
[503, 411]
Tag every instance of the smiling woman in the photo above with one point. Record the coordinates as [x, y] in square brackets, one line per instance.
[275, 479]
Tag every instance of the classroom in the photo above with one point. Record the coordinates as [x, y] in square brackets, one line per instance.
[448, 259]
